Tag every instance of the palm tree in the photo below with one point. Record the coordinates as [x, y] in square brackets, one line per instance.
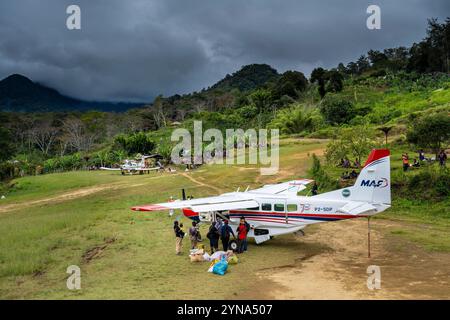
[386, 130]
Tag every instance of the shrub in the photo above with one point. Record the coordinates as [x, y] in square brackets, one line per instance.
[353, 142]
[337, 111]
[135, 143]
[324, 181]
[432, 131]
[427, 183]
[294, 120]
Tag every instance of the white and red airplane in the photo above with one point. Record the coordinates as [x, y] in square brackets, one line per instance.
[134, 166]
[276, 209]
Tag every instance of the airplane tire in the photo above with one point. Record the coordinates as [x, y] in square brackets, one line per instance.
[233, 245]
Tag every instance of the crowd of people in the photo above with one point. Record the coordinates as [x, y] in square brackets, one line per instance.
[346, 163]
[441, 157]
[349, 175]
[219, 230]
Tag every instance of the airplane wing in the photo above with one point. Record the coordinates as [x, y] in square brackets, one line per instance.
[110, 169]
[357, 208]
[153, 168]
[228, 201]
[290, 187]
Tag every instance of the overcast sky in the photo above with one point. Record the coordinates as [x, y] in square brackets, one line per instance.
[133, 50]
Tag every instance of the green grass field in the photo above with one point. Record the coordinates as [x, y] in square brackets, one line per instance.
[134, 252]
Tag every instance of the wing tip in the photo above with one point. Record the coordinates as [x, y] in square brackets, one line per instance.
[150, 207]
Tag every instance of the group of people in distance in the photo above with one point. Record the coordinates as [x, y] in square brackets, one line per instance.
[442, 157]
[218, 230]
[345, 163]
[347, 176]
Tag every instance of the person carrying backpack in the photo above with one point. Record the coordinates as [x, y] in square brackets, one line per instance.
[179, 235]
[225, 232]
[194, 235]
[213, 236]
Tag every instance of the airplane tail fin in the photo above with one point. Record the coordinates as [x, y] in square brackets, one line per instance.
[373, 183]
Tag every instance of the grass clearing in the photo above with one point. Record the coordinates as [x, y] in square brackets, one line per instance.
[38, 243]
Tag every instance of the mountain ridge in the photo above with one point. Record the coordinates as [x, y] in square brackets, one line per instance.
[19, 93]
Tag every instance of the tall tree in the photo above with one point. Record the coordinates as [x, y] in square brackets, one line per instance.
[318, 76]
[385, 130]
[363, 64]
[43, 134]
[76, 135]
[158, 112]
[291, 84]
[6, 146]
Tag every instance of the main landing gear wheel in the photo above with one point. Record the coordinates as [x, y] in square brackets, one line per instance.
[233, 245]
[299, 233]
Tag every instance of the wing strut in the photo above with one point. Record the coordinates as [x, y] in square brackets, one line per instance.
[368, 236]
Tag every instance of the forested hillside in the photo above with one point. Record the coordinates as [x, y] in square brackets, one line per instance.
[397, 92]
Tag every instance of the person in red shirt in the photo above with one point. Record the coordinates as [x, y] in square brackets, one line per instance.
[242, 231]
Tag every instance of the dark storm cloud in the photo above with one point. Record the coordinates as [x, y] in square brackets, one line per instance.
[134, 50]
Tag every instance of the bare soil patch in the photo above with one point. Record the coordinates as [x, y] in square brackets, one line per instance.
[340, 271]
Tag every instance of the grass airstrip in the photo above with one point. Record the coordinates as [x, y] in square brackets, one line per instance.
[50, 222]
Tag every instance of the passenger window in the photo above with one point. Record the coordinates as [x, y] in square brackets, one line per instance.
[255, 208]
[266, 206]
[291, 207]
[279, 207]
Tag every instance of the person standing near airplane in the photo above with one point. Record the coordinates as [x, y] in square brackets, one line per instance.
[213, 236]
[242, 234]
[245, 244]
[179, 235]
[194, 235]
[225, 232]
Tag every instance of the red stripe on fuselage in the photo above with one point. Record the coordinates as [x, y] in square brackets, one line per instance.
[295, 214]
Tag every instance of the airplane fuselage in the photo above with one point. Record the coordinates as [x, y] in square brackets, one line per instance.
[278, 215]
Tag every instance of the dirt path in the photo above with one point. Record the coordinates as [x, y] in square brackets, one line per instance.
[340, 270]
[69, 195]
[199, 183]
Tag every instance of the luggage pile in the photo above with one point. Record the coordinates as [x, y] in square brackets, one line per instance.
[219, 259]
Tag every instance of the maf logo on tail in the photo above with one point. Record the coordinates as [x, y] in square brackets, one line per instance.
[382, 183]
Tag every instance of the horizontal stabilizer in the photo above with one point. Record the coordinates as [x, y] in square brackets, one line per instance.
[357, 208]
[290, 187]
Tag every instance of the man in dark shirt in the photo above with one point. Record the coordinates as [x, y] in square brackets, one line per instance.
[213, 236]
[179, 234]
[314, 189]
[442, 156]
[225, 234]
